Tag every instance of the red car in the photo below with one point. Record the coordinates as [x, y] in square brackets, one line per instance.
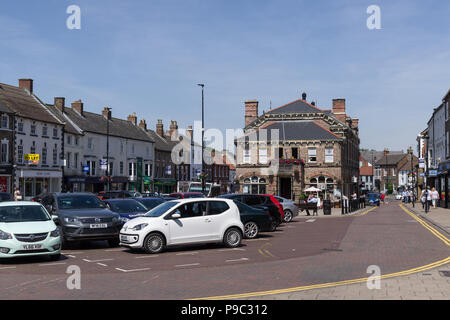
[277, 203]
[186, 195]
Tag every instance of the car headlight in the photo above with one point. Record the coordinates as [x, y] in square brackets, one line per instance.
[5, 235]
[139, 227]
[71, 220]
[124, 220]
[116, 219]
[55, 233]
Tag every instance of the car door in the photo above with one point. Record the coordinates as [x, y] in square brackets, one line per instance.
[191, 226]
[216, 217]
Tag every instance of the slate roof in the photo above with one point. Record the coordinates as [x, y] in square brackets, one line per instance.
[68, 127]
[25, 105]
[297, 106]
[377, 155]
[295, 130]
[390, 159]
[96, 123]
[161, 144]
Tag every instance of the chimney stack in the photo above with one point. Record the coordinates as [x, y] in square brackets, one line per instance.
[78, 106]
[304, 96]
[339, 109]
[132, 118]
[386, 151]
[313, 103]
[189, 133]
[106, 112]
[60, 103]
[355, 123]
[173, 129]
[26, 84]
[143, 124]
[251, 111]
[160, 128]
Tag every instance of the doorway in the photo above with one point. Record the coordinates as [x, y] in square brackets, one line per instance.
[286, 187]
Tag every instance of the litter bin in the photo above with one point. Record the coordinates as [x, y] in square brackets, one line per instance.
[327, 207]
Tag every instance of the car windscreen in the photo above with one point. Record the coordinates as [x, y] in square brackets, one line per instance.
[79, 202]
[193, 196]
[20, 213]
[123, 206]
[151, 203]
[161, 209]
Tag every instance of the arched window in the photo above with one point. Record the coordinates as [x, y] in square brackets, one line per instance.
[255, 185]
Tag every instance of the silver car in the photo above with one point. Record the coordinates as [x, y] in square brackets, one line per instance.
[290, 208]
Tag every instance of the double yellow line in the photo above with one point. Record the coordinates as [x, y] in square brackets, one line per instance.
[427, 226]
[347, 282]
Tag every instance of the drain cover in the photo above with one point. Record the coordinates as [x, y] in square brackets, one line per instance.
[445, 273]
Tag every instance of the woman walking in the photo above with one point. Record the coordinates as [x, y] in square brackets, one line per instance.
[17, 194]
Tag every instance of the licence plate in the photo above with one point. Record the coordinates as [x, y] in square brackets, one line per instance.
[32, 246]
[98, 225]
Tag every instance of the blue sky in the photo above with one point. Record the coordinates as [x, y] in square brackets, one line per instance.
[148, 56]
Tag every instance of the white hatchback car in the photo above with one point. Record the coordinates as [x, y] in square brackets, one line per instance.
[184, 221]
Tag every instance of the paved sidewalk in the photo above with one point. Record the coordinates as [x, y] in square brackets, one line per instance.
[334, 212]
[426, 285]
[439, 216]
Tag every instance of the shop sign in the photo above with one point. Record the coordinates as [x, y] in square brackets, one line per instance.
[31, 158]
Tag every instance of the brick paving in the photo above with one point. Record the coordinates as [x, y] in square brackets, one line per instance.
[437, 216]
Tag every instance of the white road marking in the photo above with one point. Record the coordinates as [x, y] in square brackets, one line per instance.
[290, 227]
[69, 255]
[186, 253]
[187, 265]
[7, 268]
[101, 264]
[133, 270]
[232, 249]
[311, 220]
[149, 256]
[100, 260]
[259, 239]
[241, 259]
[78, 252]
[112, 250]
[51, 264]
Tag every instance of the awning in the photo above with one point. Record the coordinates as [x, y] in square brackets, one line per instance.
[165, 181]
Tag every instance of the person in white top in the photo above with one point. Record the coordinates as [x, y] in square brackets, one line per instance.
[434, 197]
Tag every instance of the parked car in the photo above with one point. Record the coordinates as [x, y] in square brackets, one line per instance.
[373, 199]
[261, 201]
[254, 220]
[5, 196]
[150, 203]
[82, 216]
[127, 208]
[186, 195]
[185, 221]
[290, 208]
[104, 195]
[27, 229]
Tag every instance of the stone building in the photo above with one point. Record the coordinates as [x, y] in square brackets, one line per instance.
[296, 146]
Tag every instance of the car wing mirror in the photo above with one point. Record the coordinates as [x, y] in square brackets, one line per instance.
[176, 215]
[55, 219]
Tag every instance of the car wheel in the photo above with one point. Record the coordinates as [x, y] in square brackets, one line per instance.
[232, 238]
[273, 226]
[288, 216]
[55, 257]
[113, 243]
[154, 243]
[251, 230]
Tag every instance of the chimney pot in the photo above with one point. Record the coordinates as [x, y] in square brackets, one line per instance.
[106, 113]
[143, 124]
[132, 118]
[304, 96]
[160, 128]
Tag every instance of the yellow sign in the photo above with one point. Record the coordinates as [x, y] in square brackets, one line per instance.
[33, 158]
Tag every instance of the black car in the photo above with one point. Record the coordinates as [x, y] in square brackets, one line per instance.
[83, 216]
[254, 220]
[260, 202]
[150, 203]
[5, 196]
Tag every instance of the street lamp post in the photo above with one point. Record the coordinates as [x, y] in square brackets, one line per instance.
[413, 198]
[203, 135]
[107, 150]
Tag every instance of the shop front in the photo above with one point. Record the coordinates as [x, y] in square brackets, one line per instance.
[165, 185]
[35, 182]
[443, 180]
[74, 184]
[5, 179]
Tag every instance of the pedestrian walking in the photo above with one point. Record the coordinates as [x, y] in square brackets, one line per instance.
[17, 194]
[427, 199]
[382, 197]
[434, 197]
